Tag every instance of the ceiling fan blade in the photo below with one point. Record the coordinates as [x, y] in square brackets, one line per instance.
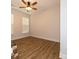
[34, 3]
[24, 2]
[28, 4]
[34, 8]
[22, 7]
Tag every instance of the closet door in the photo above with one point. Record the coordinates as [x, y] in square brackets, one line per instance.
[25, 25]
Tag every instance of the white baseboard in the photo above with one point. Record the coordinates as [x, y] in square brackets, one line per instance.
[18, 36]
[45, 38]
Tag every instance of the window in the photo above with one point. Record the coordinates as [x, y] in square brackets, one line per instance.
[25, 25]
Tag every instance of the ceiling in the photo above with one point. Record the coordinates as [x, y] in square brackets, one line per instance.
[42, 4]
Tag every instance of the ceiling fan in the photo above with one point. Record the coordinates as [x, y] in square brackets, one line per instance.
[28, 5]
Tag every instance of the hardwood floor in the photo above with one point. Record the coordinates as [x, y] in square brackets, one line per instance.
[36, 48]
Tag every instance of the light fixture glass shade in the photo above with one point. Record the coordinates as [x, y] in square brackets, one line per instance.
[28, 8]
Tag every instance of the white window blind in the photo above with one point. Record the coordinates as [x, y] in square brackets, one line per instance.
[25, 25]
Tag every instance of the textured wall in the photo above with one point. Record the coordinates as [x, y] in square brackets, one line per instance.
[46, 25]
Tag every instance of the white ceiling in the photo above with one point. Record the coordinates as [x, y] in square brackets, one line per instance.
[42, 4]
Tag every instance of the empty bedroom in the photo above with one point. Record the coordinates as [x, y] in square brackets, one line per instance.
[35, 29]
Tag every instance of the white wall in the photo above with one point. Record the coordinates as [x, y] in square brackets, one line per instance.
[63, 37]
[46, 24]
[17, 27]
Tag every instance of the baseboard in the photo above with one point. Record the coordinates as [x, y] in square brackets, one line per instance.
[18, 36]
[45, 38]
[21, 35]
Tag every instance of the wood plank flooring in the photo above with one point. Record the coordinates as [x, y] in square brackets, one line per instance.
[36, 48]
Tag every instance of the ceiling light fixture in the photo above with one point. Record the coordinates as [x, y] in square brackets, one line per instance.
[28, 5]
[28, 8]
